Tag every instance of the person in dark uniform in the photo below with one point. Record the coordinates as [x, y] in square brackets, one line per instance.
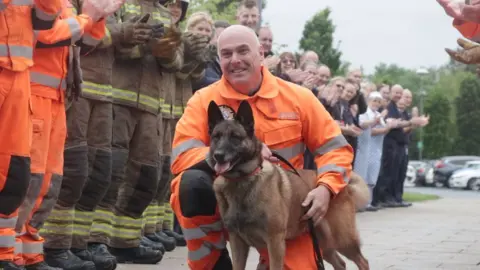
[394, 153]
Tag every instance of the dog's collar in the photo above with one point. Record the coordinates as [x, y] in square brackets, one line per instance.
[256, 171]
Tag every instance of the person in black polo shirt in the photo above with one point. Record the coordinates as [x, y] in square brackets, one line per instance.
[393, 154]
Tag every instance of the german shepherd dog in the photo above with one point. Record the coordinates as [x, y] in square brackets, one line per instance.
[261, 203]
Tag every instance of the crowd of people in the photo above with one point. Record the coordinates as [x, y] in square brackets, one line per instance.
[100, 95]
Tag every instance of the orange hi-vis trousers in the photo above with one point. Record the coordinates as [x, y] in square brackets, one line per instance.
[48, 140]
[193, 201]
[15, 134]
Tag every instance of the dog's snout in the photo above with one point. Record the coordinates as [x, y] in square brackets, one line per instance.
[219, 156]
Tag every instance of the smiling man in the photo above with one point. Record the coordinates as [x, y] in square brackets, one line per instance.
[287, 118]
[248, 14]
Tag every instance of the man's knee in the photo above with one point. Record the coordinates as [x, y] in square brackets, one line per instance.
[197, 197]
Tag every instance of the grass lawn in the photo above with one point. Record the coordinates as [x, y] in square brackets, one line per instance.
[419, 197]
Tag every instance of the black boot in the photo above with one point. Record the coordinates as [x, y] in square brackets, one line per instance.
[67, 260]
[101, 251]
[168, 242]
[138, 255]
[8, 265]
[101, 261]
[180, 240]
[41, 266]
[152, 244]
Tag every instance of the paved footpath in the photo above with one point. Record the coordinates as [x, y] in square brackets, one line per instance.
[442, 234]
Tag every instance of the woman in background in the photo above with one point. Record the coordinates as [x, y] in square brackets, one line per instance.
[375, 145]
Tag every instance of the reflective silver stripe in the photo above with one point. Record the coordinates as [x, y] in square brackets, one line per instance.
[16, 3]
[75, 29]
[333, 144]
[8, 222]
[333, 168]
[291, 151]
[7, 241]
[47, 80]
[16, 51]
[18, 247]
[186, 145]
[32, 248]
[42, 15]
[206, 249]
[202, 230]
[87, 39]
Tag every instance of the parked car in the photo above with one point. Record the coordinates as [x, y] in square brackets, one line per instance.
[445, 167]
[411, 177]
[422, 168]
[467, 178]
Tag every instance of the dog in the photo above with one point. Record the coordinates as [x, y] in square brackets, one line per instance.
[260, 203]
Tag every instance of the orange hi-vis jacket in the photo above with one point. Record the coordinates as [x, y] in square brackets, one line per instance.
[18, 21]
[469, 30]
[51, 60]
[288, 118]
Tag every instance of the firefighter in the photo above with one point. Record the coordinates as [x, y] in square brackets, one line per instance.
[137, 90]
[48, 85]
[178, 90]
[287, 119]
[18, 21]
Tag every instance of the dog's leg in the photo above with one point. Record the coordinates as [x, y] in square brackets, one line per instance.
[240, 251]
[355, 254]
[332, 257]
[276, 250]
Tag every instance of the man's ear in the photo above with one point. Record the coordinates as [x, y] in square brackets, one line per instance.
[215, 116]
[245, 117]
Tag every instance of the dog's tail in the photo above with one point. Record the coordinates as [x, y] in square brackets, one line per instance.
[360, 191]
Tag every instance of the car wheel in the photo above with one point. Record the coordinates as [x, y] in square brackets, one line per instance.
[474, 184]
[439, 185]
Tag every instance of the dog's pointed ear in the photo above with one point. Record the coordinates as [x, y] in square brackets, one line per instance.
[245, 117]
[215, 116]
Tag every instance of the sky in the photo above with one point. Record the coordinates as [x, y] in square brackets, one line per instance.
[409, 33]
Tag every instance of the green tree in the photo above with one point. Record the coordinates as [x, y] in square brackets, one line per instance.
[438, 133]
[318, 37]
[468, 117]
[218, 9]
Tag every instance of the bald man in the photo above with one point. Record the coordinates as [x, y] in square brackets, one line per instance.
[309, 56]
[406, 102]
[279, 108]
[387, 192]
[265, 36]
[355, 75]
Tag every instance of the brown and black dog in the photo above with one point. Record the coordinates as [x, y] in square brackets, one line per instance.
[261, 203]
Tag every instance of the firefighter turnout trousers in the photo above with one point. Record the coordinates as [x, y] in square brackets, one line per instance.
[135, 151]
[48, 141]
[15, 131]
[87, 172]
[159, 214]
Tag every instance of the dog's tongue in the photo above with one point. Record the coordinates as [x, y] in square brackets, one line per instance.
[221, 168]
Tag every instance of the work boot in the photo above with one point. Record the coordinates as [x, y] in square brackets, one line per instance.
[101, 262]
[180, 239]
[137, 255]
[8, 265]
[160, 237]
[65, 259]
[41, 266]
[152, 244]
[100, 251]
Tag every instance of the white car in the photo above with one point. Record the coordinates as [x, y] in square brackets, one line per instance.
[467, 178]
[411, 177]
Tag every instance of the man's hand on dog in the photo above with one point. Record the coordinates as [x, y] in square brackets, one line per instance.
[267, 154]
[319, 199]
